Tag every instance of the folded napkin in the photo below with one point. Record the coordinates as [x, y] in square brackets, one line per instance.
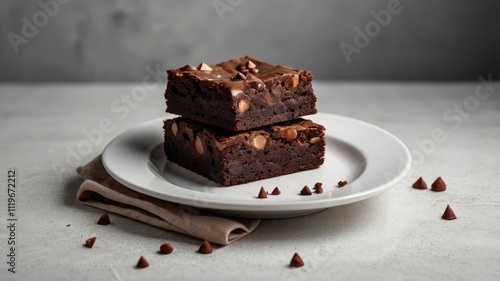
[100, 190]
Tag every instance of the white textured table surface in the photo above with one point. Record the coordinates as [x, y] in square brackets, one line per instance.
[397, 235]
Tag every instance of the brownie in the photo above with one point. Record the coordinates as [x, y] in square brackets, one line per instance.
[240, 94]
[231, 158]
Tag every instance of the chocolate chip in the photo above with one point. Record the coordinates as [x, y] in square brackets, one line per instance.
[142, 263]
[239, 76]
[187, 67]
[276, 191]
[438, 185]
[205, 248]
[253, 70]
[305, 191]
[318, 188]
[104, 219]
[255, 84]
[249, 66]
[296, 261]
[341, 183]
[448, 214]
[166, 248]
[262, 193]
[420, 184]
[241, 67]
[90, 242]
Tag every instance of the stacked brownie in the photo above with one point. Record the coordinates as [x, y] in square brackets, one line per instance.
[241, 120]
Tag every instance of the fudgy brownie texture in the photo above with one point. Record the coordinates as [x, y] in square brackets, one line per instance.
[231, 158]
[240, 94]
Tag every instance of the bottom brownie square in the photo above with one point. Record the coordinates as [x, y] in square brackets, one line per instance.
[230, 158]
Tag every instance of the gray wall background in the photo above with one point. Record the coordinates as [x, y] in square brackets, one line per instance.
[114, 40]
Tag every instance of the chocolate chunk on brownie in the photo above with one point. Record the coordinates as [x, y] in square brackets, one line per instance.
[240, 94]
[231, 158]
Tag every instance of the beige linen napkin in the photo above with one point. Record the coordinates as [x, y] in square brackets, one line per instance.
[100, 190]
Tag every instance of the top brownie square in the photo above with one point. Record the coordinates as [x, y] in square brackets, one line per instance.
[240, 94]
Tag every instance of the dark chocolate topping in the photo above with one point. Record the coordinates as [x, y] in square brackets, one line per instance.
[225, 73]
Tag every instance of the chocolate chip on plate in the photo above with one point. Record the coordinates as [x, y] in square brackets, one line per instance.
[318, 187]
[262, 193]
[276, 191]
[305, 191]
[341, 183]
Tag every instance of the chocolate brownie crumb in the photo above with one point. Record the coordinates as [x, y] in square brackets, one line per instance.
[296, 261]
[305, 191]
[341, 183]
[142, 263]
[420, 184]
[438, 185]
[448, 214]
[166, 248]
[262, 193]
[90, 242]
[104, 219]
[205, 248]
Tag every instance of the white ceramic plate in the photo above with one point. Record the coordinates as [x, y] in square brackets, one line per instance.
[369, 158]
